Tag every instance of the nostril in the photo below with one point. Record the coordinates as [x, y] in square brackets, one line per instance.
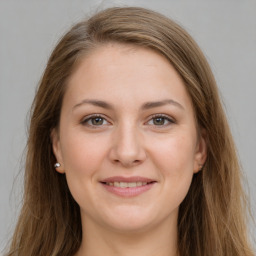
[127, 162]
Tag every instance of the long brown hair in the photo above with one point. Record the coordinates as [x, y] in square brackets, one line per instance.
[212, 218]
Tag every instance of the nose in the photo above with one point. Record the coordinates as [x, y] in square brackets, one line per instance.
[127, 147]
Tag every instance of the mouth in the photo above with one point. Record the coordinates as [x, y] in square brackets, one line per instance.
[119, 184]
[127, 186]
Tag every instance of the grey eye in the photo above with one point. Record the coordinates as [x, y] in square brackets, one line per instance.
[94, 121]
[97, 121]
[159, 121]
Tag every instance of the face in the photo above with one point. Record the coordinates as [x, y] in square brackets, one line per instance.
[127, 141]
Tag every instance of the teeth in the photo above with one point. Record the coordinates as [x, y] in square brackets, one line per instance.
[123, 185]
[132, 185]
[116, 184]
[126, 184]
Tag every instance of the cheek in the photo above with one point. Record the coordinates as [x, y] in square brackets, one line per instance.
[175, 155]
[174, 158]
[83, 157]
[82, 153]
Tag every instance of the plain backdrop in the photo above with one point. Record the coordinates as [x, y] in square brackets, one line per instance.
[224, 29]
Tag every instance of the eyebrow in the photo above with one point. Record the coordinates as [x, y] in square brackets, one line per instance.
[155, 104]
[97, 103]
[145, 106]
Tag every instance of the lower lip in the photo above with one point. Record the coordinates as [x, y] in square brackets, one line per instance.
[128, 192]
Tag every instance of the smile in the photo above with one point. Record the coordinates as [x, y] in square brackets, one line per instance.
[127, 186]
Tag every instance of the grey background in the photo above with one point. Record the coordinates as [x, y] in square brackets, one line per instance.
[225, 30]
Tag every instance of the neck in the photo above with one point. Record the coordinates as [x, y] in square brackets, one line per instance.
[151, 242]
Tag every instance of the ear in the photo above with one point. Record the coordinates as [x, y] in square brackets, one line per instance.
[201, 151]
[57, 150]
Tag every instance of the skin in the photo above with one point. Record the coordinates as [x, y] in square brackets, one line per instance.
[128, 140]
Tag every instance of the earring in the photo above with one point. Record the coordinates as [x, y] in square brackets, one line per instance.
[200, 167]
[57, 165]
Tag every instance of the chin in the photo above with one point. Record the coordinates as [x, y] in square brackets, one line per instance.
[127, 220]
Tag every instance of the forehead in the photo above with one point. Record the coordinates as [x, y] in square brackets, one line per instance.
[116, 71]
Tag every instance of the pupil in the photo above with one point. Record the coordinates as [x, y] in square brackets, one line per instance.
[97, 121]
[159, 121]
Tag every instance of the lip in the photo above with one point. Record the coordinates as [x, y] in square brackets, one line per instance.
[128, 191]
[127, 179]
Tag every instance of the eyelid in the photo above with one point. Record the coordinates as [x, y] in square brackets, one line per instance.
[85, 119]
[91, 116]
[167, 117]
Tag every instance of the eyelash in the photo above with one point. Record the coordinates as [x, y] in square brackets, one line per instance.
[94, 116]
[90, 118]
[165, 117]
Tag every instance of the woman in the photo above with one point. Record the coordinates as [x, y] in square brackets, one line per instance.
[129, 150]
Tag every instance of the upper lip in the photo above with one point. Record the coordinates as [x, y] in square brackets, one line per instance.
[127, 179]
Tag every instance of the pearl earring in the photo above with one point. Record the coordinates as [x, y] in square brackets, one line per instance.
[57, 165]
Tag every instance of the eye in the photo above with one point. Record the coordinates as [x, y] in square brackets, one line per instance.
[95, 120]
[160, 120]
